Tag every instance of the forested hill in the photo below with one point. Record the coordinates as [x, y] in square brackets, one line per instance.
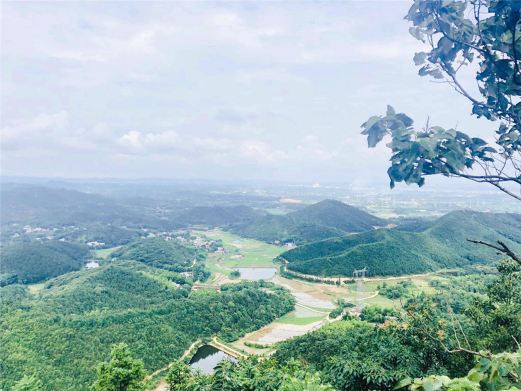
[34, 262]
[45, 206]
[160, 253]
[215, 216]
[64, 331]
[392, 252]
[336, 214]
[325, 219]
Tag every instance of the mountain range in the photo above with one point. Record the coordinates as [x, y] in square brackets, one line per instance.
[390, 251]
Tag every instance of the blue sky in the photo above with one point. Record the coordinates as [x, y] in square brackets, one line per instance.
[235, 90]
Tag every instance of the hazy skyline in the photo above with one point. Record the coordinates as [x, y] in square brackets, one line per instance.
[232, 90]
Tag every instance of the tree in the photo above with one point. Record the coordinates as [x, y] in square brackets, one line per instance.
[498, 372]
[28, 383]
[179, 376]
[499, 313]
[310, 382]
[121, 373]
[458, 33]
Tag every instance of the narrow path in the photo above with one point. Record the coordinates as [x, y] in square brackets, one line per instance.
[226, 349]
[312, 309]
[344, 279]
[370, 297]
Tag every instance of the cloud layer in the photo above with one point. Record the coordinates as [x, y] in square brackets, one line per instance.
[272, 90]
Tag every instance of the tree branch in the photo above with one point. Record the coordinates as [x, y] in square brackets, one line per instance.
[501, 247]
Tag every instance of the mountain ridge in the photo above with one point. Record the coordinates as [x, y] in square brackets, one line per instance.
[322, 220]
[393, 252]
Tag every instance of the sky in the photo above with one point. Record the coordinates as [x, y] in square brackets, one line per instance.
[219, 90]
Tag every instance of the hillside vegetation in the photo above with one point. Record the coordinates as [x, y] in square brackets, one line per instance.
[45, 206]
[325, 219]
[393, 252]
[108, 234]
[70, 326]
[161, 253]
[217, 216]
[34, 262]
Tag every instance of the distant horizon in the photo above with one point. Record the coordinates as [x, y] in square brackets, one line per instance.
[456, 185]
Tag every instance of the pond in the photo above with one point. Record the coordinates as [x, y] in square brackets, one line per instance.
[207, 357]
[256, 273]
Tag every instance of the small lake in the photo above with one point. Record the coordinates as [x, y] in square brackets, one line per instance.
[207, 357]
[256, 273]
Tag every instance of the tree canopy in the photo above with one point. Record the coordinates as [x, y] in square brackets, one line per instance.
[121, 373]
[486, 34]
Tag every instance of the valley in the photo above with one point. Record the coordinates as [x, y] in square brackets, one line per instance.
[245, 195]
[314, 300]
[220, 280]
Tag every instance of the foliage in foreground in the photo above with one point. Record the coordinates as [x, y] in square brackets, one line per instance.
[496, 372]
[457, 34]
[435, 335]
[122, 372]
[251, 373]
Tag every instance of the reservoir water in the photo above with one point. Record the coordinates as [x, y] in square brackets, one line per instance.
[207, 357]
[256, 273]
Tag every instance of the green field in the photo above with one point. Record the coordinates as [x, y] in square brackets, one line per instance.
[241, 252]
[105, 252]
[213, 265]
[291, 318]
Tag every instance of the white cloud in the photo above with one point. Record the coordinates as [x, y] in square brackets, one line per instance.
[139, 142]
[41, 129]
[229, 88]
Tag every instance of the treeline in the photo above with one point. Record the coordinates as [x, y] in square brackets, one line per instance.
[55, 207]
[217, 216]
[399, 290]
[61, 334]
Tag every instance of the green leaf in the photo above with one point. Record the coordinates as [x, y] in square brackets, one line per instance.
[419, 58]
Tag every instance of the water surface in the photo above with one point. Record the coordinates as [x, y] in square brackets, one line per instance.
[207, 357]
[256, 273]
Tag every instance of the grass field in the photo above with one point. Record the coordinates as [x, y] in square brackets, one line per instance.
[291, 318]
[243, 252]
[105, 252]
